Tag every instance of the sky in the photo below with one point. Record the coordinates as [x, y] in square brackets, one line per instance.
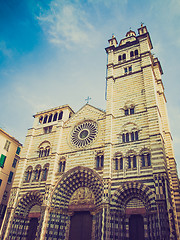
[52, 53]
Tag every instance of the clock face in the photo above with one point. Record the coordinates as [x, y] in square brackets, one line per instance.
[84, 134]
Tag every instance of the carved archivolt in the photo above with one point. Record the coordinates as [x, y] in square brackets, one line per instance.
[81, 178]
[28, 201]
[132, 190]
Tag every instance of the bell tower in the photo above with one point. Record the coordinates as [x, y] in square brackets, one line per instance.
[137, 116]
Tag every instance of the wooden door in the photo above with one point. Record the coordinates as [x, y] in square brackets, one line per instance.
[31, 233]
[81, 226]
[136, 227]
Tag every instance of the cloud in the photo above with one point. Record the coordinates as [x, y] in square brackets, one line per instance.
[67, 25]
[4, 49]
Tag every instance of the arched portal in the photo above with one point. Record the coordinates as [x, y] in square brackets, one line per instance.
[27, 218]
[133, 206]
[76, 195]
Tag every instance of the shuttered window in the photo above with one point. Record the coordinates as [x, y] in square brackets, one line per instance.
[2, 160]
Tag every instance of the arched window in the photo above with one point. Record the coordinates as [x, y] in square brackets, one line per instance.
[131, 54]
[55, 116]
[136, 135]
[148, 159]
[119, 58]
[145, 158]
[60, 115]
[62, 165]
[136, 52]
[118, 162]
[132, 110]
[132, 136]
[45, 172]
[127, 137]
[46, 151]
[28, 174]
[123, 138]
[40, 152]
[50, 118]
[132, 161]
[100, 161]
[45, 119]
[126, 111]
[37, 173]
[124, 56]
[121, 163]
[40, 119]
[129, 162]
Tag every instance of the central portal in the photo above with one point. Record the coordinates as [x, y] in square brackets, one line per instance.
[81, 226]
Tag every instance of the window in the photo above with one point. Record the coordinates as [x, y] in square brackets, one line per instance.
[10, 177]
[60, 115]
[50, 118]
[55, 117]
[40, 119]
[123, 138]
[131, 54]
[14, 163]
[136, 52]
[45, 119]
[132, 110]
[128, 70]
[18, 150]
[145, 159]
[41, 152]
[118, 163]
[44, 152]
[7, 145]
[129, 162]
[62, 165]
[127, 137]
[2, 160]
[132, 136]
[100, 161]
[2, 210]
[48, 129]
[128, 111]
[28, 174]
[132, 162]
[136, 135]
[124, 56]
[45, 172]
[119, 58]
[0, 181]
[37, 173]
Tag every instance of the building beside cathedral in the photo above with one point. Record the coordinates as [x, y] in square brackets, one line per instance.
[96, 174]
[9, 159]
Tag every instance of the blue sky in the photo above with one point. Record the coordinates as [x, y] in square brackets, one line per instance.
[52, 53]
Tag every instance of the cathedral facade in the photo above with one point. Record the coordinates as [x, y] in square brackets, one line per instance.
[101, 175]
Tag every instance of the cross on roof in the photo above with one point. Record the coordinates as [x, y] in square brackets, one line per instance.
[87, 99]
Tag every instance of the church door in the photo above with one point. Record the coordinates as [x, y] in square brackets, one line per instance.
[81, 226]
[31, 234]
[136, 227]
